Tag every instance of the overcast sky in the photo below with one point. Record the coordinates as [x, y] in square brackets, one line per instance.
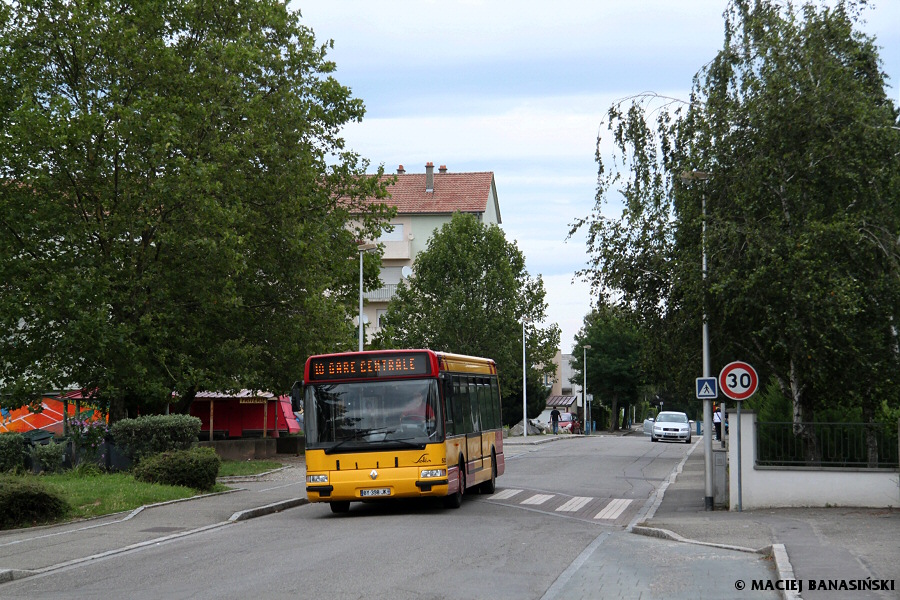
[520, 88]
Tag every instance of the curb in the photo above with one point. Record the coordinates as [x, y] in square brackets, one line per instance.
[672, 536]
[7, 575]
[268, 509]
[785, 570]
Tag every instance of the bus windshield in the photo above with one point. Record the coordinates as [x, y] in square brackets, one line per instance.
[367, 415]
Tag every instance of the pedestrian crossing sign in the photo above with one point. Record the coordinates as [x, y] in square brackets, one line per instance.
[707, 388]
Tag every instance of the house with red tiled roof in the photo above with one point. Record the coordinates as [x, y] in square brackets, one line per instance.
[425, 202]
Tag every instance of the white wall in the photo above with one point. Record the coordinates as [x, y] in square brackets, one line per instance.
[771, 487]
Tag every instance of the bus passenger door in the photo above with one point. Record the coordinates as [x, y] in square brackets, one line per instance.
[474, 448]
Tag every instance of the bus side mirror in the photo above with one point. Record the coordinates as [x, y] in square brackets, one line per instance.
[297, 396]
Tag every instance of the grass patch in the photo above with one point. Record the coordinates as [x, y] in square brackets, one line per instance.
[93, 493]
[96, 495]
[237, 468]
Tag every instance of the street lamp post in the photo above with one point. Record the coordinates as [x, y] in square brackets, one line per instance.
[363, 248]
[524, 387]
[707, 403]
[587, 409]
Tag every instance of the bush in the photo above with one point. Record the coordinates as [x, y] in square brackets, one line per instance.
[12, 452]
[196, 468]
[146, 436]
[26, 501]
[50, 456]
[87, 439]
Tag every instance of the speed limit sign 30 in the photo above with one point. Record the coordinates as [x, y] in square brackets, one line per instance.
[738, 380]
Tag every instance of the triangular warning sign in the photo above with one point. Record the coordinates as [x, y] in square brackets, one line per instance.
[706, 391]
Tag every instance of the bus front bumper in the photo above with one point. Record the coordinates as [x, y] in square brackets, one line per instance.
[358, 485]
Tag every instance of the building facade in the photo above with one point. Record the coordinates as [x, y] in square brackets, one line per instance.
[424, 203]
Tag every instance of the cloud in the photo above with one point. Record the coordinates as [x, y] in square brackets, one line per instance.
[569, 301]
[521, 88]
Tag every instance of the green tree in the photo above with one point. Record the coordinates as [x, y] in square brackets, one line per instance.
[175, 199]
[614, 365]
[792, 126]
[470, 294]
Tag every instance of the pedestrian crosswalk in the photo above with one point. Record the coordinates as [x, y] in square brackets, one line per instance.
[537, 499]
[504, 495]
[574, 505]
[614, 509]
[598, 509]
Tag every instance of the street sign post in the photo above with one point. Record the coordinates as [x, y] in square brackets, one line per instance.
[738, 381]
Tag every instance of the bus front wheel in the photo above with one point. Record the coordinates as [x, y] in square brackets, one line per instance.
[489, 486]
[455, 500]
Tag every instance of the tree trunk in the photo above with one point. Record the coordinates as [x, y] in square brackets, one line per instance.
[871, 436]
[116, 409]
[803, 428]
[183, 404]
[614, 416]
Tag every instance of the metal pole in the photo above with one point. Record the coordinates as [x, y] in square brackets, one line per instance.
[707, 404]
[361, 252]
[587, 411]
[722, 422]
[738, 441]
[524, 387]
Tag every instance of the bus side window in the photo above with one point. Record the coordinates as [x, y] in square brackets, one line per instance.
[484, 402]
[495, 400]
[447, 384]
[475, 422]
[458, 412]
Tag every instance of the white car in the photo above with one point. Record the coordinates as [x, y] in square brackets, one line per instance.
[670, 425]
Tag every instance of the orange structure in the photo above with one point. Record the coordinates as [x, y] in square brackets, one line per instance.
[50, 418]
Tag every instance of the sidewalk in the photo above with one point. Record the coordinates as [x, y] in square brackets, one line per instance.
[830, 544]
[25, 552]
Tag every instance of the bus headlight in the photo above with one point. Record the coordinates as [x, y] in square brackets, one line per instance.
[317, 479]
[434, 473]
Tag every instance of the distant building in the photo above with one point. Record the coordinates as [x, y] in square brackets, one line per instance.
[565, 389]
[424, 202]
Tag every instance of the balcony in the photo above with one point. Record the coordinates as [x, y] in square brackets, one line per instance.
[382, 294]
[395, 250]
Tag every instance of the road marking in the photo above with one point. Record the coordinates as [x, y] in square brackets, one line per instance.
[504, 495]
[574, 505]
[537, 499]
[613, 509]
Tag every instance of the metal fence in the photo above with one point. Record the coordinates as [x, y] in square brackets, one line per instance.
[832, 445]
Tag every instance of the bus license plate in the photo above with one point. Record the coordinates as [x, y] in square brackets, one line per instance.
[375, 492]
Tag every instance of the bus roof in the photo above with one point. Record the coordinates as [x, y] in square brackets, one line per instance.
[466, 364]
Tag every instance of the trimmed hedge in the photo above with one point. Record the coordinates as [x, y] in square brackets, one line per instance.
[27, 501]
[12, 451]
[145, 436]
[196, 468]
[50, 456]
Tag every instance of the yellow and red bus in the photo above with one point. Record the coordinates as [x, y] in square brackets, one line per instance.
[400, 424]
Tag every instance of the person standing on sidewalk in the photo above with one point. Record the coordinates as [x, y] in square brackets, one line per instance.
[554, 420]
[717, 423]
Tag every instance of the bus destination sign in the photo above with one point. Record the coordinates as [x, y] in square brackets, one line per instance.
[366, 366]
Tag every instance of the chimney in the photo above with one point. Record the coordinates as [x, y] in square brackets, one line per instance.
[401, 170]
[429, 176]
[442, 169]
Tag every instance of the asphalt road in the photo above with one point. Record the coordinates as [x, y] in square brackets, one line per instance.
[559, 506]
